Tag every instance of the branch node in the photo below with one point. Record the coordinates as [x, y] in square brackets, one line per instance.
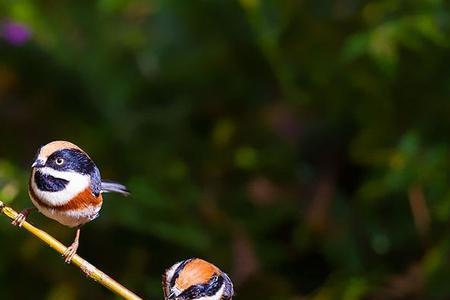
[87, 269]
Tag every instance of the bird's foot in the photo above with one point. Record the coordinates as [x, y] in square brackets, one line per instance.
[70, 252]
[21, 217]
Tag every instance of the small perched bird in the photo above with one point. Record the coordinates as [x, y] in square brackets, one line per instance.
[65, 185]
[196, 279]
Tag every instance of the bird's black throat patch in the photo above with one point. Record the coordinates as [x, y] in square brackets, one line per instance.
[48, 183]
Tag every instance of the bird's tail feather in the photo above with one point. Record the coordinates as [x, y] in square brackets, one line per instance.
[114, 187]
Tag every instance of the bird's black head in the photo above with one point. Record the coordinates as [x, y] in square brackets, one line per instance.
[70, 160]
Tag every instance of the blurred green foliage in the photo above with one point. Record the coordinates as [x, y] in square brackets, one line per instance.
[302, 146]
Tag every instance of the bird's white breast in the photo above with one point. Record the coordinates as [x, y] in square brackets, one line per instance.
[77, 184]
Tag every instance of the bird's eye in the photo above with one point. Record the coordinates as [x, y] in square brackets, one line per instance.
[59, 161]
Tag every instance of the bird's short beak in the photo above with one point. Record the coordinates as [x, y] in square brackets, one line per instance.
[38, 163]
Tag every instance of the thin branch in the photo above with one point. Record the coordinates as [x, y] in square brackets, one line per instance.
[85, 266]
[420, 210]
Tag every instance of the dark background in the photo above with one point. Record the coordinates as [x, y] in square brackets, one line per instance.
[302, 146]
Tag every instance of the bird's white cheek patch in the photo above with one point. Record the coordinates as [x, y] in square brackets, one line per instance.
[77, 183]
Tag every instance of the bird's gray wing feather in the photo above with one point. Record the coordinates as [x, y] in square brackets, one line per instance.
[114, 187]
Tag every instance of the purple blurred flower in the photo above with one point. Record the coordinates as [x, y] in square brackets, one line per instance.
[15, 33]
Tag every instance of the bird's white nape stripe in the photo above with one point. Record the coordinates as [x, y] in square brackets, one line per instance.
[169, 275]
[77, 183]
[170, 272]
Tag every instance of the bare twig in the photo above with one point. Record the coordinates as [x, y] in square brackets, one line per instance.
[419, 209]
[85, 266]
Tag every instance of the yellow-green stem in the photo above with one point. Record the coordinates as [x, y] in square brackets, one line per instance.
[85, 266]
